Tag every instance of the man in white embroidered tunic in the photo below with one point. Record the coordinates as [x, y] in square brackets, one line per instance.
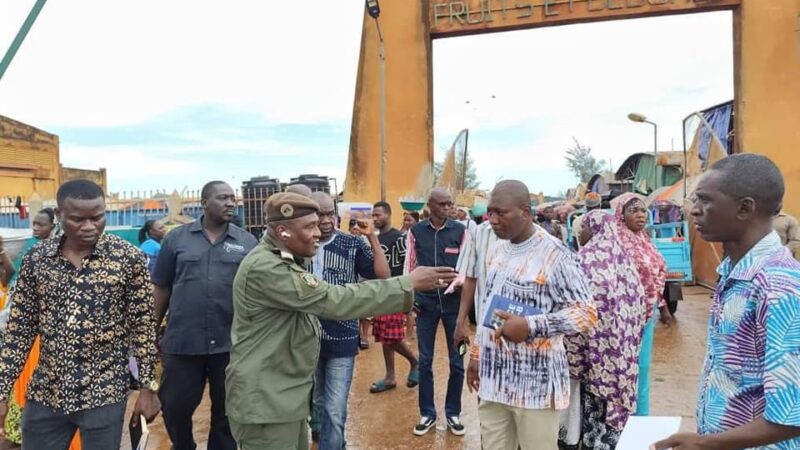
[520, 369]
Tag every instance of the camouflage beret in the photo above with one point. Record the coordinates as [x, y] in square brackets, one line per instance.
[288, 206]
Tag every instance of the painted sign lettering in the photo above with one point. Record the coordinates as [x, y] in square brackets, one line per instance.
[460, 16]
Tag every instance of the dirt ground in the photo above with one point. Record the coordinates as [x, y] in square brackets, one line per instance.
[384, 421]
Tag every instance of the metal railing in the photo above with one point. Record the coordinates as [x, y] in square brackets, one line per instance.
[12, 216]
[134, 208]
[130, 209]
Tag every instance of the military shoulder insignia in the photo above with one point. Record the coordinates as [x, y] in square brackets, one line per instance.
[287, 210]
[309, 280]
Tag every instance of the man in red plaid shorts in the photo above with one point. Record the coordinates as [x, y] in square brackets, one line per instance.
[390, 330]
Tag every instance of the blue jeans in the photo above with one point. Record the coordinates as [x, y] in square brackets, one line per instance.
[645, 355]
[427, 324]
[331, 388]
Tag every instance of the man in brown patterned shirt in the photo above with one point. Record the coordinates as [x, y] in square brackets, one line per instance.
[88, 296]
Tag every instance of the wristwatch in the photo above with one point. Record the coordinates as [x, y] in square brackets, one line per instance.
[153, 386]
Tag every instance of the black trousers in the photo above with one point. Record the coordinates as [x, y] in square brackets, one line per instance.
[182, 387]
[45, 429]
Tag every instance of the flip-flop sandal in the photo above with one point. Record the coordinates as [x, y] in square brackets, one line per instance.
[381, 386]
[413, 378]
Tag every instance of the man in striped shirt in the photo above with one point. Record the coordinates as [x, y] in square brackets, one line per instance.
[341, 259]
[471, 270]
[520, 368]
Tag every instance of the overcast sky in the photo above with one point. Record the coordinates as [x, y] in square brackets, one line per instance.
[167, 94]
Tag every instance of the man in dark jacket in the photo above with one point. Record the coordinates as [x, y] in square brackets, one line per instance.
[437, 241]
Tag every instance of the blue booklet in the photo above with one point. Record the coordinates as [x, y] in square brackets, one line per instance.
[493, 321]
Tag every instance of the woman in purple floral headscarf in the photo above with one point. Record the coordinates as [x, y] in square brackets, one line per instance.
[604, 362]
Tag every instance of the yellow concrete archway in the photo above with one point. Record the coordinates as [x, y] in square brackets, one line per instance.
[766, 44]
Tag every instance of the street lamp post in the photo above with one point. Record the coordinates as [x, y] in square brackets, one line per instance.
[374, 10]
[636, 117]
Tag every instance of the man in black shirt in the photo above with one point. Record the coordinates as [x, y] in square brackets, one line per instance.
[194, 277]
[390, 329]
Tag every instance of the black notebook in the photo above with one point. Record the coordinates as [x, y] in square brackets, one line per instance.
[139, 434]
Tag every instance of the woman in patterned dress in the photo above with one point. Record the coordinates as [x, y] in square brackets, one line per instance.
[631, 213]
[604, 362]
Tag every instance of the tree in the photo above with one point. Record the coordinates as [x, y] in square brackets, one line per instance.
[581, 162]
[472, 175]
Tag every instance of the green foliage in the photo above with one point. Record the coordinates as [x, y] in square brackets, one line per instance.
[582, 163]
[472, 175]
[13, 421]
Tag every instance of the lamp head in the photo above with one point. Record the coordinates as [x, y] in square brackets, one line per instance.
[373, 8]
[636, 117]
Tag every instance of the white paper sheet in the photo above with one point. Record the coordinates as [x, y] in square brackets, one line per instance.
[641, 432]
[145, 434]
